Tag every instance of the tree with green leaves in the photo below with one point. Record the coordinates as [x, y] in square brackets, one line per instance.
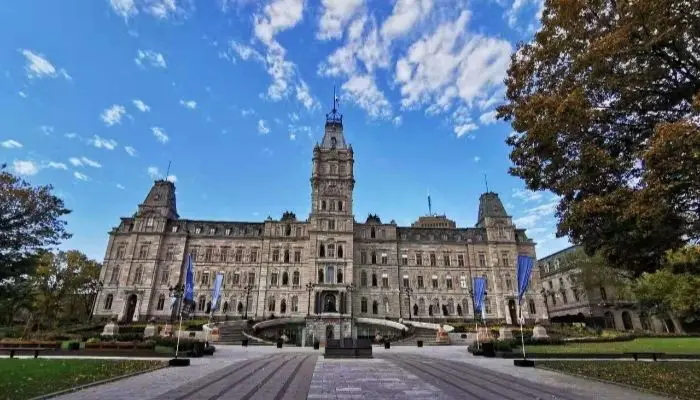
[605, 104]
[30, 221]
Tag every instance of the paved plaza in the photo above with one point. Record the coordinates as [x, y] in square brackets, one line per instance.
[399, 373]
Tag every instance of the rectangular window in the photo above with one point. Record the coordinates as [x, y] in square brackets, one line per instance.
[509, 285]
[208, 254]
[433, 261]
[482, 259]
[121, 250]
[299, 231]
[505, 258]
[227, 232]
[463, 282]
[297, 256]
[275, 255]
[197, 230]
[170, 253]
[223, 254]
[273, 279]
[446, 259]
[330, 251]
[405, 281]
[236, 278]
[363, 305]
[143, 252]
[460, 260]
[205, 278]
[251, 279]
[420, 281]
[385, 280]
[363, 258]
[331, 224]
[404, 259]
[194, 252]
[212, 231]
[419, 258]
[174, 229]
[448, 282]
[165, 278]
[435, 282]
[385, 259]
[253, 256]
[564, 298]
[330, 273]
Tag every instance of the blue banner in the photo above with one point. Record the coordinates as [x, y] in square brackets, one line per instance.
[479, 293]
[524, 269]
[218, 281]
[189, 280]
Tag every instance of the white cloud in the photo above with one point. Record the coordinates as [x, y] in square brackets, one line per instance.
[101, 143]
[336, 15]
[247, 111]
[11, 144]
[22, 94]
[130, 150]
[294, 117]
[246, 52]
[25, 167]
[404, 16]
[363, 91]
[191, 104]
[279, 15]
[56, 165]
[75, 161]
[143, 107]
[533, 217]
[119, 186]
[39, 67]
[151, 57]
[171, 178]
[488, 118]
[71, 135]
[155, 173]
[90, 163]
[80, 176]
[124, 8]
[463, 123]
[292, 136]
[47, 130]
[160, 134]
[262, 127]
[397, 121]
[304, 96]
[517, 7]
[527, 195]
[113, 115]
[452, 65]
[477, 159]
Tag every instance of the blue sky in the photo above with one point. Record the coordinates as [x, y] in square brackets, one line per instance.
[98, 96]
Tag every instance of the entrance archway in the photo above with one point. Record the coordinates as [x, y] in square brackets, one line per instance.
[329, 332]
[130, 308]
[512, 311]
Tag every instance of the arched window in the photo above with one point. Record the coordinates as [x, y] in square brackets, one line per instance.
[531, 307]
[286, 256]
[374, 279]
[208, 307]
[115, 276]
[465, 306]
[340, 251]
[239, 307]
[201, 303]
[161, 302]
[285, 278]
[386, 305]
[295, 278]
[137, 275]
[340, 276]
[415, 309]
[375, 307]
[321, 251]
[288, 230]
[372, 233]
[323, 205]
[363, 278]
[459, 310]
[108, 302]
[320, 275]
[340, 206]
[451, 306]
[295, 304]
[283, 306]
[225, 307]
[374, 258]
[271, 304]
[363, 305]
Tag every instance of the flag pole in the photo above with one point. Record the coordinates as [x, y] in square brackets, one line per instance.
[522, 335]
[179, 330]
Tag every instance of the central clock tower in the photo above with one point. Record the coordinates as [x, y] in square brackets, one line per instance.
[331, 230]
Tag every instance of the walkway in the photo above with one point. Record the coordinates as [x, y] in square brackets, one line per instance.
[399, 373]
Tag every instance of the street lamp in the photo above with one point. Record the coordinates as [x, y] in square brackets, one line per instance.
[177, 292]
[350, 289]
[409, 292]
[309, 288]
[247, 289]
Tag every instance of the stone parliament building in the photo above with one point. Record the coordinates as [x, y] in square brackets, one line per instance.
[326, 266]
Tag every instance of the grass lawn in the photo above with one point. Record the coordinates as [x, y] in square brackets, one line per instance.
[27, 378]
[673, 378]
[663, 345]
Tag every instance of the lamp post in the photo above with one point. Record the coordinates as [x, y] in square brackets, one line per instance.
[309, 288]
[247, 289]
[409, 292]
[176, 292]
[97, 289]
[543, 292]
[350, 289]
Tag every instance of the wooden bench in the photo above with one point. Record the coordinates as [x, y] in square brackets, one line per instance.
[637, 354]
[13, 350]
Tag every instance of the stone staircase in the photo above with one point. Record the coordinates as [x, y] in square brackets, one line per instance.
[232, 333]
[426, 335]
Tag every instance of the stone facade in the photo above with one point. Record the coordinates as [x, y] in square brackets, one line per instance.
[277, 259]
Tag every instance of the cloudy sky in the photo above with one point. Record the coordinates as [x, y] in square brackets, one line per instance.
[99, 96]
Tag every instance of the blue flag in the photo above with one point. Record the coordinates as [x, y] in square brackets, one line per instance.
[524, 269]
[189, 280]
[217, 291]
[479, 293]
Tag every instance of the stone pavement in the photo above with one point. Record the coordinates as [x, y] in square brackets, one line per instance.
[398, 373]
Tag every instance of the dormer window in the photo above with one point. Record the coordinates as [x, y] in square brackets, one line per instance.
[227, 231]
[174, 229]
[197, 230]
[212, 231]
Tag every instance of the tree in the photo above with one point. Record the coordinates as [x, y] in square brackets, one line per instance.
[602, 104]
[30, 220]
[594, 272]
